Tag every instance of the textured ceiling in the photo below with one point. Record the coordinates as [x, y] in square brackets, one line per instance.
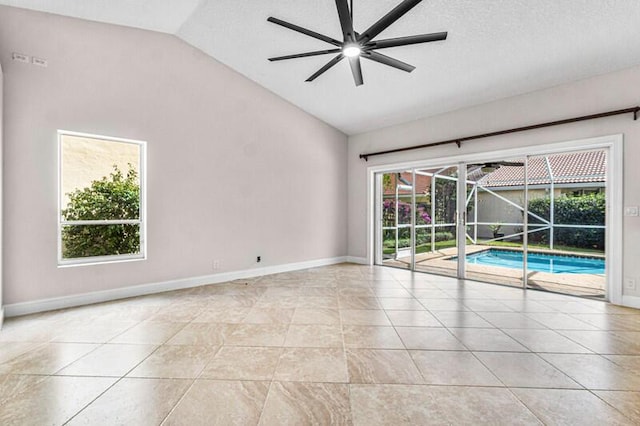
[495, 48]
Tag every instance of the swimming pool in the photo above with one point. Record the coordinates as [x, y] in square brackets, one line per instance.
[541, 262]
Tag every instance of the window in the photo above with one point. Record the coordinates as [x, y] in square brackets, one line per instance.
[101, 215]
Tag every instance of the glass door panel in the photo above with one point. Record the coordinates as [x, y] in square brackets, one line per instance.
[495, 221]
[567, 207]
[435, 220]
[396, 209]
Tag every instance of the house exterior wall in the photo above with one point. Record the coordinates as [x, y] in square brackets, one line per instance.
[493, 209]
[86, 160]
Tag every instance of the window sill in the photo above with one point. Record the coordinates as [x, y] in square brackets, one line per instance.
[102, 260]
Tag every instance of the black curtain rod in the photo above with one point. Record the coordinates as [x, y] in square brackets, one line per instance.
[458, 141]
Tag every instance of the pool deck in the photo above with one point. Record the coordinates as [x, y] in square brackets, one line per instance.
[438, 263]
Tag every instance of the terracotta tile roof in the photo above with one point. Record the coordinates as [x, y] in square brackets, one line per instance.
[580, 167]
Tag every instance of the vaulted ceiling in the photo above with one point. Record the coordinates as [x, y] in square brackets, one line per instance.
[495, 48]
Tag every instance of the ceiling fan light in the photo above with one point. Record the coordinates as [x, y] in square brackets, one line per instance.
[351, 51]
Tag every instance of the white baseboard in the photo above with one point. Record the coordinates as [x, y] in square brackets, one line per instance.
[631, 301]
[32, 307]
[358, 260]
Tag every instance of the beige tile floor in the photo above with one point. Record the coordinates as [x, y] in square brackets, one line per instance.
[344, 344]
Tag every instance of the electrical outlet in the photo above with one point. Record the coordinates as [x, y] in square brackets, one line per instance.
[630, 283]
[39, 62]
[216, 264]
[19, 57]
[258, 259]
[631, 211]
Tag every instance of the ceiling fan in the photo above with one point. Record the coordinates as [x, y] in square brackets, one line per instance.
[355, 45]
[493, 166]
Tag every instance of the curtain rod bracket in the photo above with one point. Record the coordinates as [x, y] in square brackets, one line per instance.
[458, 143]
[635, 113]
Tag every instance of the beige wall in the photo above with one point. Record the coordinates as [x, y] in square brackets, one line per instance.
[603, 93]
[230, 165]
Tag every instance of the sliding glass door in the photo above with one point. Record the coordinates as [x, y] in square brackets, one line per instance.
[395, 219]
[567, 201]
[535, 221]
[435, 220]
[495, 228]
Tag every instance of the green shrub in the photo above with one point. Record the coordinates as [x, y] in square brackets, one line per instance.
[444, 236]
[116, 197]
[587, 209]
[421, 239]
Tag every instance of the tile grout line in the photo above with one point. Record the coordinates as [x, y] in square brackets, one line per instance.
[401, 340]
[592, 392]
[193, 382]
[282, 349]
[93, 400]
[523, 404]
[195, 379]
[116, 382]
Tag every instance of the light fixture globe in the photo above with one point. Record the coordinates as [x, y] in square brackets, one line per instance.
[351, 50]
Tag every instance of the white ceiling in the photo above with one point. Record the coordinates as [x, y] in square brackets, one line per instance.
[495, 48]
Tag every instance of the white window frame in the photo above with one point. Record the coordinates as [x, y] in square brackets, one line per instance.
[141, 221]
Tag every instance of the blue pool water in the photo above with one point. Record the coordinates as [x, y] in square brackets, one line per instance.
[553, 263]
